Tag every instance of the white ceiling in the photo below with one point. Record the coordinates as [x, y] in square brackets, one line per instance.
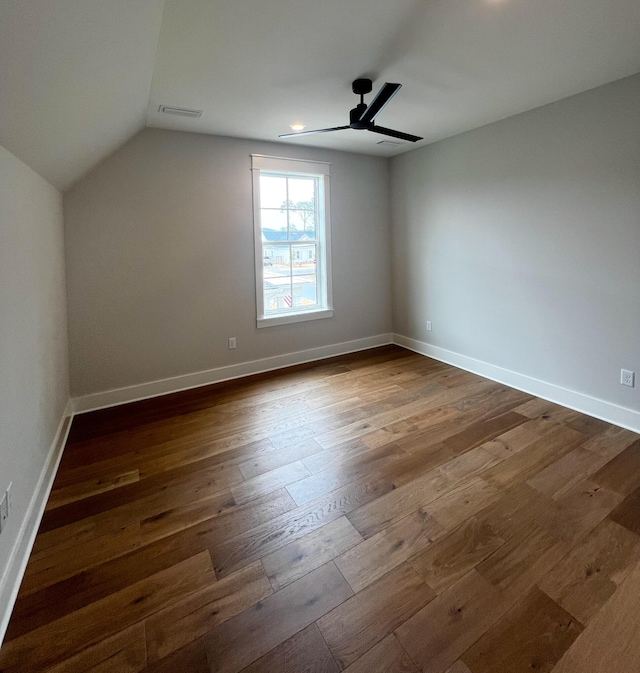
[79, 72]
[75, 77]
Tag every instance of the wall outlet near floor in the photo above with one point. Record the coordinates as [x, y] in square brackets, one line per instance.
[428, 325]
[627, 378]
[232, 343]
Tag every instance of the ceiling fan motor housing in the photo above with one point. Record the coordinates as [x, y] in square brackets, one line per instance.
[355, 114]
[362, 86]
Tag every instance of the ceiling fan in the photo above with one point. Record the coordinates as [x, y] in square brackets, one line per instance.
[362, 116]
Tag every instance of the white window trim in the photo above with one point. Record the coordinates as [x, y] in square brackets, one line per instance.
[284, 165]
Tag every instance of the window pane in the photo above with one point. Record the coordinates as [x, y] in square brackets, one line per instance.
[277, 293]
[303, 190]
[273, 191]
[303, 258]
[302, 205]
[276, 261]
[275, 221]
[305, 290]
[303, 223]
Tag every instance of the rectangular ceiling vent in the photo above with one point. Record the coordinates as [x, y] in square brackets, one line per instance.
[180, 111]
[389, 142]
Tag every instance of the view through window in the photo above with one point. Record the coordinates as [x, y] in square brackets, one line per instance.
[292, 240]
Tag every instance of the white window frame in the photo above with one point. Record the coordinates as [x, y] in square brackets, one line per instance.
[303, 168]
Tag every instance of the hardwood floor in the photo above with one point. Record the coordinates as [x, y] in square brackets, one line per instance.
[378, 512]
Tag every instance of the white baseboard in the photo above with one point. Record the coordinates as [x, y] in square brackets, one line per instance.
[592, 406]
[143, 391]
[19, 557]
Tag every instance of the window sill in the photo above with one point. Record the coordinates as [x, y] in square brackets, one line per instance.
[295, 317]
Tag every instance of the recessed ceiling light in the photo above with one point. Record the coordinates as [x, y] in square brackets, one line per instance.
[297, 126]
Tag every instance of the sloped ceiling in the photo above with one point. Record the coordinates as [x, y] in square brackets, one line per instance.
[75, 77]
[79, 77]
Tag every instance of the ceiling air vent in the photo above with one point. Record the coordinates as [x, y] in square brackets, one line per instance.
[388, 143]
[180, 111]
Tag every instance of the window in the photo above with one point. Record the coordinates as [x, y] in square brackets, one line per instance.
[292, 240]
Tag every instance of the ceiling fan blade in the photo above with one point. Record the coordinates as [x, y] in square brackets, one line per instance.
[309, 133]
[383, 96]
[395, 134]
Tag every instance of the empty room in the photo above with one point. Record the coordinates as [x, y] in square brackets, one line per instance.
[319, 336]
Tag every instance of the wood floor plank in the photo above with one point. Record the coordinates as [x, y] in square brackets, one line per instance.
[461, 502]
[123, 652]
[366, 562]
[390, 508]
[268, 482]
[627, 513]
[518, 510]
[450, 558]
[78, 630]
[78, 491]
[271, 460]
[266, 538]
[532, 636]
[342, 472]
[251, 634]
[388, 656]
[406, 427]
[557, 479]
[581, 510]
[309, 552]
[611, 642]
[525, 464]
[227, 519]
[522, 561]
[583, 581]
[519, 438]
[192, 617]
[360, 428]
[611, 442]
[306, 651]
[543, 409]
[349, 450]
[459, 667]
[144, 498]
[167, 458]
[483, 430]
[375, 516]
[53, 568]
[588, 425]
[359, 623]
[86, 530]
[34, 610]
[191, 658]
[440, 633]
[621, 474]
[418, 463]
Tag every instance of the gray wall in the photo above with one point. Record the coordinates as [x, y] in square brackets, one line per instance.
[34, 387]
[160, 270]
[520, 241]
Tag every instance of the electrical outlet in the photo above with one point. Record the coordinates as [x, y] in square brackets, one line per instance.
[627, 378]
[428, 325]
[232, 343]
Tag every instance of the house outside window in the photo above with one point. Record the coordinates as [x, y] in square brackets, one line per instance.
[292, 240]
